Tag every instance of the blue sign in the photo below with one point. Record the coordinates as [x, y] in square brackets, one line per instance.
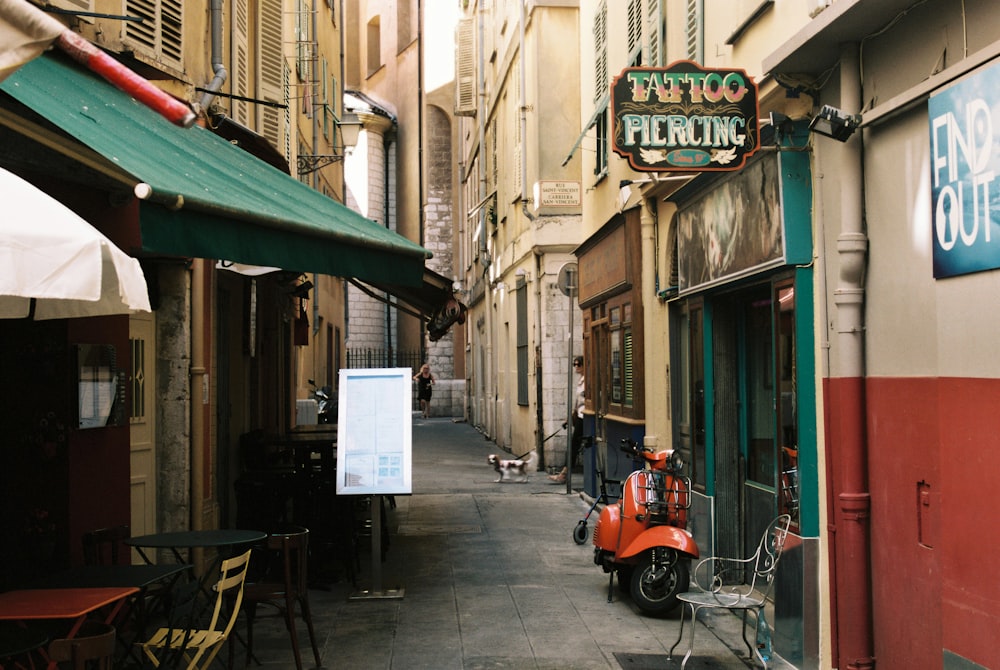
[965, 164]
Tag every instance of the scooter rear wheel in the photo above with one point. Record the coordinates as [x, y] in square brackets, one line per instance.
[580, 533]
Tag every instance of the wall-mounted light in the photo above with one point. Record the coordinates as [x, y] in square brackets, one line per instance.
[301, 291]
[781, 123]
[624, 192]
[834, 123]
[349, 128]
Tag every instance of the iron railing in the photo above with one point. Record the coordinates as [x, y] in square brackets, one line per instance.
[386, 358]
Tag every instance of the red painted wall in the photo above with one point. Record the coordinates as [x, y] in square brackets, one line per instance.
[99, 467]
[969, 433]
[933, 464]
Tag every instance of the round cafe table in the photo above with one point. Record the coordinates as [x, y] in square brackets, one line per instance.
[222, 539]
[194, 539]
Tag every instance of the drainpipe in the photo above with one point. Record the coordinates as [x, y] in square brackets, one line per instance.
[390, 332]
[314, 44]
[524, 120]
[220, 70]
[853, 520]
[490, 402]
[539, 413]
[647, 242]
[316, 180]
[199, 395]
[522, 93]
[481, 120]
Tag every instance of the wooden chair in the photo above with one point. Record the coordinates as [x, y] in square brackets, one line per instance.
[282, 587]
[181, 639]
[91, 648]
[103, 546]
[754, 580]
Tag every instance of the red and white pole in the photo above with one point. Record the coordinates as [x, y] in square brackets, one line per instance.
[125, 79]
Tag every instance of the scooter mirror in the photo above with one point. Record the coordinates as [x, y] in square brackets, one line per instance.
[629, 447]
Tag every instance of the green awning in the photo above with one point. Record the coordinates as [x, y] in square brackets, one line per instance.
[209, 198]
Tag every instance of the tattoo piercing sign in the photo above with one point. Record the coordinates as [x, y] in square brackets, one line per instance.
[684, 117]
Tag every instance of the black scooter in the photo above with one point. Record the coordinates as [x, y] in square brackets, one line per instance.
[323, 403]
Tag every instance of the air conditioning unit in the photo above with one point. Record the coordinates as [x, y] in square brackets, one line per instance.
[306, 412]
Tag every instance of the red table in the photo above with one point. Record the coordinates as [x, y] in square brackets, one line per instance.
[69, 604]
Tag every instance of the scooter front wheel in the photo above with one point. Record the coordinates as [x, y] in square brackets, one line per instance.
[580, 533]
[656, 583]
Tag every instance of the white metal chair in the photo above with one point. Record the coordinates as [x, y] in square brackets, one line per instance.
[754, 578]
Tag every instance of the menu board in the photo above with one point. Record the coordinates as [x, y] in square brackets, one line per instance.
[374, 432]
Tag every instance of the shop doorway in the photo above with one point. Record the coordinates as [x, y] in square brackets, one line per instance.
[598, 370]
[750, 382]
[142, 425]
[754, 350]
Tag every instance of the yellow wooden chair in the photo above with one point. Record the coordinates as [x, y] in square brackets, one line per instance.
[199, 646]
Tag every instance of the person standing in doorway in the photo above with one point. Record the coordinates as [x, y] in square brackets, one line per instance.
[425, 380]
[576, 439]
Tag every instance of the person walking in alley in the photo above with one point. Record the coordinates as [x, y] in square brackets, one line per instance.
[425, 380]
[576, 439]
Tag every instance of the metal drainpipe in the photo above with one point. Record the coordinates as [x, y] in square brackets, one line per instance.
[537, 278]
[386, 195]
[316, 180]
[524, 119]
[199, 379]
[199, 396]
[489, 422]
[853, 522]
[481, 120]
[647, 235]
[220, 70]
[312, 94]
[522, 93]
[344, 286]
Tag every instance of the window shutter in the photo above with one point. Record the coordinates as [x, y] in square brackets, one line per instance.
[628, 378]
[286, 117]
[521, 298]
[601, 82]
[171, 31]
[693, 29]
[158, 35]
[241, 63]
[653, 33]
[635, 32]
[79, 5]
[270, 70]
[465, 69]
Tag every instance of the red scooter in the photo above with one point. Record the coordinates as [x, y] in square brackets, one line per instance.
[643, 537]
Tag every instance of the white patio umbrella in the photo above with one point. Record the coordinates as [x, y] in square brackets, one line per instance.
[51, 256]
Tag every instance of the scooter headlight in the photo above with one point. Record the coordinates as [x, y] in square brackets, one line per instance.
[676, 461]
